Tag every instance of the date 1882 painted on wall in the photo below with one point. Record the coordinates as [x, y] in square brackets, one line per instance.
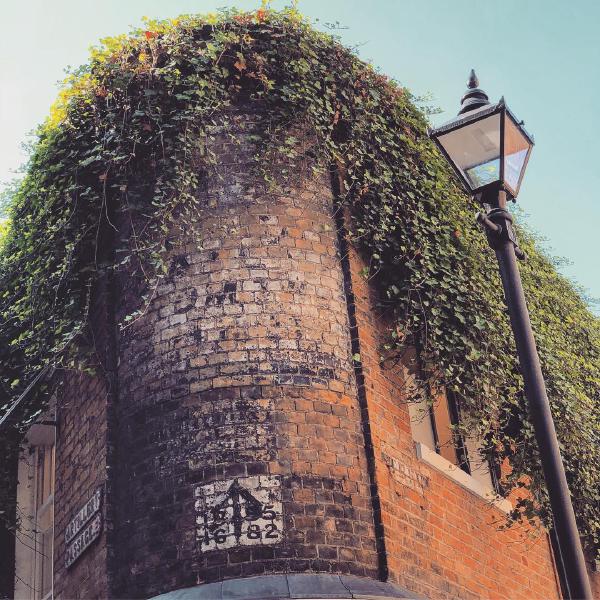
[238, 512]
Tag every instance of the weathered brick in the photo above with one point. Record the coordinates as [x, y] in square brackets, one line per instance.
[429, 556]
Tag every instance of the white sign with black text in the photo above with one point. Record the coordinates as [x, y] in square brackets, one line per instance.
[239, 512]
[85, 527]
[82, 542]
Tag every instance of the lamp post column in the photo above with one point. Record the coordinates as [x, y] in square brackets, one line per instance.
[498, 223]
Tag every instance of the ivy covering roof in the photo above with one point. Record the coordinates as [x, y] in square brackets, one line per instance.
[121, 134]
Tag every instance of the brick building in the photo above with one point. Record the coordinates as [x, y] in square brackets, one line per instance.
[243, 440]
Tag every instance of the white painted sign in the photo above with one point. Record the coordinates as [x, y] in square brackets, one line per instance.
[239, 512]
[83, 540]
[91, 507]
[85, 527]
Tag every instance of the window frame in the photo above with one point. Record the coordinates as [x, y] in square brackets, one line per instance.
[36, 505]
[462, 451]
[436, 457]
[41, 510]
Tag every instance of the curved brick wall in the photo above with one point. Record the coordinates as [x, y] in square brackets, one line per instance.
[240, 445]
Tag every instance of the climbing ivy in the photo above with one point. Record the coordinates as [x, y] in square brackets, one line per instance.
[126, 137]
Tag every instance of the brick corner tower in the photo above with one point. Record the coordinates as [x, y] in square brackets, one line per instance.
[234, 431]
[241, 438]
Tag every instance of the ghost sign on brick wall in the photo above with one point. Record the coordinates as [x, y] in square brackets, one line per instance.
[238, 512]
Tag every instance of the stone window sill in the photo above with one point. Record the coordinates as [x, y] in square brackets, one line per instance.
[465, 480]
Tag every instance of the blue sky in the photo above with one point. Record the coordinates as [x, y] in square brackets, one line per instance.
[543, 56]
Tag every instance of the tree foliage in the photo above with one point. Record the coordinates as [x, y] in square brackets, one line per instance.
[128, 129]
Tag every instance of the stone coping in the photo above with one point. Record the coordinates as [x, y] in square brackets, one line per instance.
[313, 586]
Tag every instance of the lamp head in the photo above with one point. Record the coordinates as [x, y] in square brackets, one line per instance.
[485, 143]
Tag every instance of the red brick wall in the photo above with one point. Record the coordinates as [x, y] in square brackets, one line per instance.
[80, 470]
[85, 456]
[595, 581]
[441, 540]
[241, 367]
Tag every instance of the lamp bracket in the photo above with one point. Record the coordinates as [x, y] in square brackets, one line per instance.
[499, 229]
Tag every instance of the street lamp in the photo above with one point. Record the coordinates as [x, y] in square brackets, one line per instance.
[488, 148]
[486, 144]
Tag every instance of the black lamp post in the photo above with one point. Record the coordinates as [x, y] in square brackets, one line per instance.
[488, 148]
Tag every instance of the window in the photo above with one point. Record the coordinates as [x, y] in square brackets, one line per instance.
[35, 505]
[433, 427]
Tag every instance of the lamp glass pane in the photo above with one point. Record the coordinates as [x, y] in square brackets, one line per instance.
[516, 147]
[475, 149]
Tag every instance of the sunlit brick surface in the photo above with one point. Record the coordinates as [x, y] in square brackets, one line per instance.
[241, 367]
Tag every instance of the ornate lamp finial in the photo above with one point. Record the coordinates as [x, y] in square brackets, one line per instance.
[474, 97]
[473, 81]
